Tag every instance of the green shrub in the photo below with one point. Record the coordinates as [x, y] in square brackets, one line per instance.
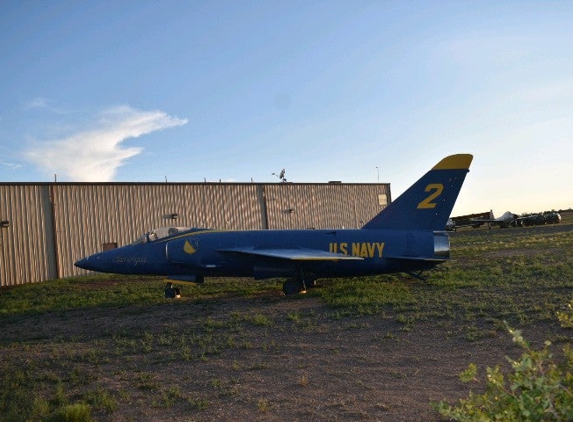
[78, 412]
[538, 389]
[566, 317]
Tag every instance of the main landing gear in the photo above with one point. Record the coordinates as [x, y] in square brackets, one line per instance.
[298, 284]
[293, 286]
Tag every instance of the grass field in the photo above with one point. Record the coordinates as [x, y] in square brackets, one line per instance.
[113, 349]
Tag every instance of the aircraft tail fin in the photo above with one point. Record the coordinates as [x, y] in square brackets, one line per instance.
[428, 203]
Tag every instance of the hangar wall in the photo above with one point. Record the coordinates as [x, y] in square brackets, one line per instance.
[51, 225]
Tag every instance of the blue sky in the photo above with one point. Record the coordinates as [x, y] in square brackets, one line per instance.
[328, 90]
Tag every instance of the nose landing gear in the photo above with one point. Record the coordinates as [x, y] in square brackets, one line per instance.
[172, 292]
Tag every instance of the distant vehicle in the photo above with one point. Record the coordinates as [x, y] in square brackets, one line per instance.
[507, 219]
[533, 220]
[552, 217]
[407, 236]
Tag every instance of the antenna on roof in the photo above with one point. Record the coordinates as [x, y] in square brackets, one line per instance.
[281, 176]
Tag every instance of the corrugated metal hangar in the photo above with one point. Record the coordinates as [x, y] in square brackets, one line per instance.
[46, 227]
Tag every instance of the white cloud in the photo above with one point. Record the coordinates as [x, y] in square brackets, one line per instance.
[13, 166]
[38, 102]
[94, 155]
[42, 104]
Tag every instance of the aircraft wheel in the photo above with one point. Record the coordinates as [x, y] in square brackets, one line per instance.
[172, 292]
[169, 293]
[292, 287]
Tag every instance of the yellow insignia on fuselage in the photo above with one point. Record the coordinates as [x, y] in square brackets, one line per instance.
[188, 248]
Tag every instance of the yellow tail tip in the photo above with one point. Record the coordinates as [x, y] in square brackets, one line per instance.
[455, 162]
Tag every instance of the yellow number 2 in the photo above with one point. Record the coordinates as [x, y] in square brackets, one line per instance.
[436, 190]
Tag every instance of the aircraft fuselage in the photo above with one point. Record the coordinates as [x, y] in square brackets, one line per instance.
[234, 253]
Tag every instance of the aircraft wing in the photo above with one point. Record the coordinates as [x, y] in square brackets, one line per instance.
[501, 223]
[491, 221]
[416, 258]
[293, 254]
[506, 218]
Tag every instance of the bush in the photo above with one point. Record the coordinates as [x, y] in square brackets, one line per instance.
[566, 317]
[78, 412]
[538, 389]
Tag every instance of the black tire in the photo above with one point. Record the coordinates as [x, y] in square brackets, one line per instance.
[292, 287]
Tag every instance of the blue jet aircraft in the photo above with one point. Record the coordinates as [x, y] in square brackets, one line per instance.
[407, 236]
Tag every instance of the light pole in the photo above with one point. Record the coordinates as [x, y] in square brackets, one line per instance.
[378, 171]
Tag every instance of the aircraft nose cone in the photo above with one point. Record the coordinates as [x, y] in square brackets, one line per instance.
[81, 263]
[86, 264]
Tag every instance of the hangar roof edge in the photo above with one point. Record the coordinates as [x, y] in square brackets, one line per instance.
[183, 183]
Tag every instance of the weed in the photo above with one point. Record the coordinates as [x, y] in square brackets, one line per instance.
[565, 316]
[406, 320]
[216, 383]
[93, 356]
[262, 320]
[40, 408]
[146, 381]
[263, 405]
[269, 346]
[60, 399]
[147, 342]
[185, 353]
[198, 403]
[164, 340]
[168, 398]
[77, 412]
[390, 336]
[211, 324]
[102, 400]
[294, 316]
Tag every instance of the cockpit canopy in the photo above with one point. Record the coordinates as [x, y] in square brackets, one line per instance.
[160, 233]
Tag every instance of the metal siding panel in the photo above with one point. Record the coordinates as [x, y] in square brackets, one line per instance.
[367, 198]
[211, 201]
[247, 208]
[87, 216]
[277, 203]
[24, 245]
[186, 201]
[335, 207]
[231, 206]
[74, 225]
[322, 206]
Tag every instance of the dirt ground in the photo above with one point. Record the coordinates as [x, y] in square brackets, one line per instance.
[311, 367]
